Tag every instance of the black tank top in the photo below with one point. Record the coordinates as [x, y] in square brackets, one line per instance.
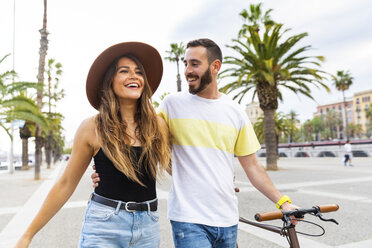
[115, 185]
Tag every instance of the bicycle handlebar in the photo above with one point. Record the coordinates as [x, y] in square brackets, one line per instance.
[297, 213]
[328, 208]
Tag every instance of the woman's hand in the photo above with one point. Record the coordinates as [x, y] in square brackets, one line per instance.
[23, 242]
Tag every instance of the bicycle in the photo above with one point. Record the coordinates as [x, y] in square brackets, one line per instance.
[288, 230]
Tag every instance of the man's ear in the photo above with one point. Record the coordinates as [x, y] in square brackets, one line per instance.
[216, 66]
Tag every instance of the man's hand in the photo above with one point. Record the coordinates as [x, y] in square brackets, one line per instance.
[286, 207]
[95, 178]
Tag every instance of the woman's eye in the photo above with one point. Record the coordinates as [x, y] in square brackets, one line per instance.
[139, 72]
[123, 71]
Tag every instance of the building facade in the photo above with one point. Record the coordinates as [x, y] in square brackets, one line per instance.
[338, 108]
[253, 111]
[356, 107]
[362, 101]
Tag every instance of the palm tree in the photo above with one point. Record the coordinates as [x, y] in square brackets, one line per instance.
[332, 121]
[343, 80]
[21, 108]
[156, 104]
[317, 124]
[266, 65]
[293, 120]
[283, 126]
[255, 18]
[356, 130]
[40, 77]
[307, 130]
[54, 71]
[25, 133]
[368, 111]
[176, 54]
[14, 103]
[57, 138]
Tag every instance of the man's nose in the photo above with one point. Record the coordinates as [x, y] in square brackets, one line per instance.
[188, 69]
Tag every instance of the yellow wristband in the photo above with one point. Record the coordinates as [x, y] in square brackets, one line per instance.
[282, 200]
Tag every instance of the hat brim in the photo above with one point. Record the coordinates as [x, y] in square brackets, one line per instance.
[146, 54]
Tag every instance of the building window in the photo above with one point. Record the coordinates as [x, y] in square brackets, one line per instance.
[339, 107]
[321, 111]
[357, 101]
[366, 99]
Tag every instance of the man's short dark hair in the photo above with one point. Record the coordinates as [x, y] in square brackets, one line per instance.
[213, 50]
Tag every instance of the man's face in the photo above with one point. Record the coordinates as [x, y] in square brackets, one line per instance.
[197, 70]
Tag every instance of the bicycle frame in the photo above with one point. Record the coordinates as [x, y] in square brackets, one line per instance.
[290, 232]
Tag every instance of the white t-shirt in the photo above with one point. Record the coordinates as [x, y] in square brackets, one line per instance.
[205, 135]
[347, 148]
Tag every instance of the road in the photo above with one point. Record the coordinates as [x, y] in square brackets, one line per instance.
[308, 181]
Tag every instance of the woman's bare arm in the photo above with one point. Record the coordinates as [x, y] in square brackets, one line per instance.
[81, 156]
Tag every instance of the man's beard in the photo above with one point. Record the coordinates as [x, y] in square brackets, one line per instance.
[205, 79]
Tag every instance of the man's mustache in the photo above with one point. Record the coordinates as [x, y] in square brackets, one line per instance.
[192, 75]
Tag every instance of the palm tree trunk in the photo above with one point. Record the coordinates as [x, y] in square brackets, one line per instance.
[178, 77]
[270, 140]
[40, 78]
[346, 119]
[25, 154]
[48, 150]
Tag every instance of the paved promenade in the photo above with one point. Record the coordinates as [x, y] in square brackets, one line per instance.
[308, 181]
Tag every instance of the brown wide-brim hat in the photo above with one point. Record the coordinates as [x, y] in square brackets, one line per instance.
[146, 54]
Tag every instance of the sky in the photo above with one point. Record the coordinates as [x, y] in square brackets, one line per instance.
[80, 30]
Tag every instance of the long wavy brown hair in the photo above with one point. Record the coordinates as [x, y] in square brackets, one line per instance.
[112, 130]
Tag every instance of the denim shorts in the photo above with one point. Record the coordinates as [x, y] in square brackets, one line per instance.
[104, 226]
[190, 235]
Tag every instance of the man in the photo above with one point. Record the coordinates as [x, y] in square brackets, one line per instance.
[348, 153]
[207, 129]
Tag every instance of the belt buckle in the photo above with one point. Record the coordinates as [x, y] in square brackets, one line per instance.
[126, 207]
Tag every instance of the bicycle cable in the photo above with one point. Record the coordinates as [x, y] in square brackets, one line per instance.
[312, 223]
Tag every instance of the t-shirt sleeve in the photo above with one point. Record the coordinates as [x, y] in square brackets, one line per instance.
[247, 142]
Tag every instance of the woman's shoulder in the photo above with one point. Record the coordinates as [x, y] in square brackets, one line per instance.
[87, 130]
[87, 125]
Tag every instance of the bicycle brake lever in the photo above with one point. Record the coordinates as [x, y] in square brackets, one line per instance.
[323, 219]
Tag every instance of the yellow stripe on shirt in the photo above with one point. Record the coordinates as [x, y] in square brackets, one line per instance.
[202, 133]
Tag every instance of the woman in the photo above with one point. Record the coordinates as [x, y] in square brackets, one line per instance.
[127, 141]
